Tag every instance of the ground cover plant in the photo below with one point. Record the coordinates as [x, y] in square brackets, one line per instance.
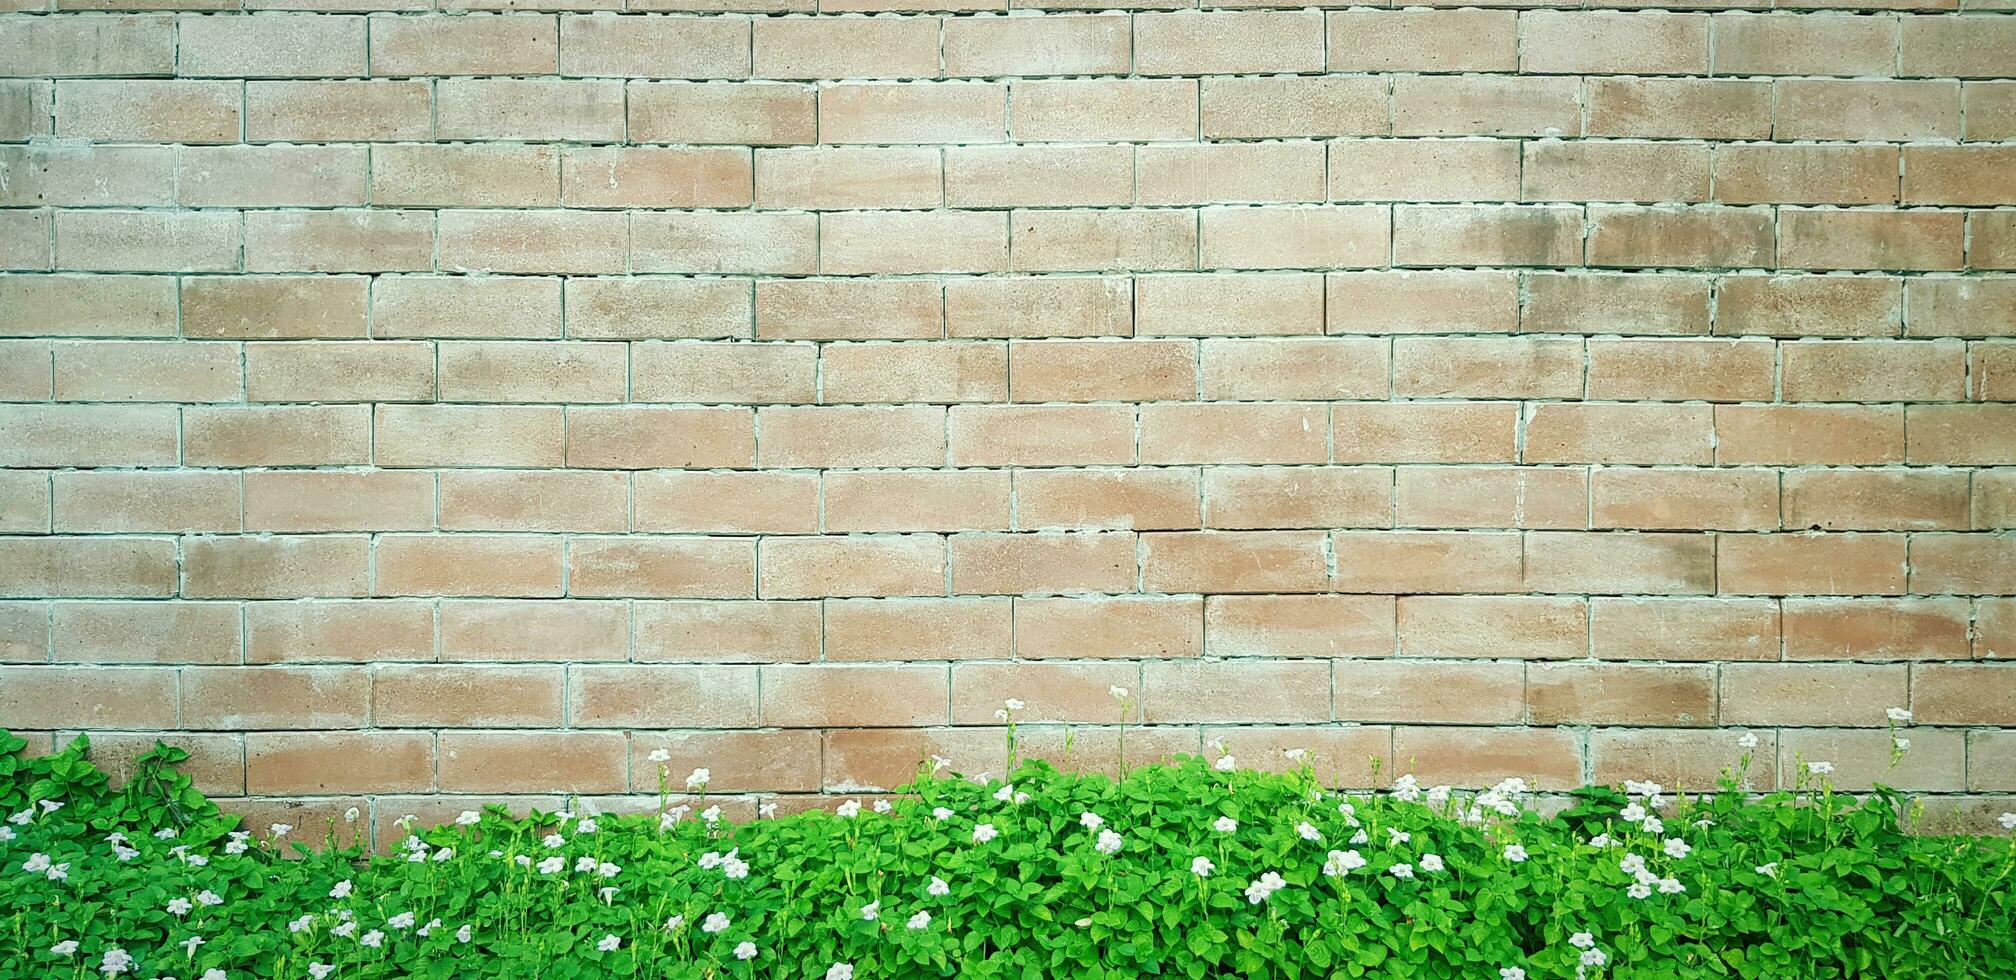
[1202, 868]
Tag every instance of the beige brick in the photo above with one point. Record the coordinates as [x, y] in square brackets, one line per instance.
[1294, 106]
[1754, 173]
[484, 44]
[1118, 499]
[150, 111]
[94, 697]
[1961, 308]
[26, 107]
[339, 241]
[441, 306]
[529, 109]
[1909, 240]
[914, 371]
[272, 307]
[1806, 434]
[1424, 170]
[25, 241]
[724, 242]
[1423, 432]
[96, 502]
[639, 437]
[93, 435]
[467, 564]
[1621, 694]
[1104, 627]
[894, 565]
[1486, 105]
[1400, 301]
[1060, 44]
[265, 567]
[1866, 109]
[1791, 305]
[1293, 368]
[1487, 367]
[1684, 369]
[24, 502]
[1428, 235]
[1103, 109]
[1208, 173]
[1233, 561]
[1522, 627]
[466, 435]
[1052, 692]
[293, 435]
[147, 241]
[147, 371]
[996, 564]
[534, 501]
[1231, 433]
[1811, 694]
[1207, 304]
[78, 46]
[935, 112]
[1680, 499]
[726, 503]
[1382, 562]
[465, 175]
[1418, 40]
[654, 47]
[1876, 629]
[742, 761]
[846, 47]
[87, 174]
[1817, 44]
[712, 372]
[241, 698]
[848, 309]
[1246, 691]
[544, 371]
[1615, 171]
[458, 696]
[1039, 176]
[271, 45]
[1963, 46]
[519, 242]
[1560, 433]
[1697, 108]
[917, 629]
[828, 436]
[1102, 370]
[1613, 42]
[1228, 42]
[1275, 238]
[361, 631]
[1620, 564]
[145, 632]
[948, 500]
[866, 242]
[379, 370]
[1096, 241]
[368, 111]
[533, 762]
[756, 113]
[324, 763]
[1691, 629]
[1682, 759]
[1491, 497]
[658, 177]
[1688, 237]
[539, 629]
[1811, 564]
[1299, 626]
[738, 632]
[832, 695]
[377, 500]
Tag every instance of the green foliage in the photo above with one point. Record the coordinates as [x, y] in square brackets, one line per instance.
[1807, 885]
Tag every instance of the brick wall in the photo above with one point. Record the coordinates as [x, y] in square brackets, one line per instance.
[408, 407]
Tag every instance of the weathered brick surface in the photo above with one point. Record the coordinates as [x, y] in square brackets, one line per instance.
[1537, 389]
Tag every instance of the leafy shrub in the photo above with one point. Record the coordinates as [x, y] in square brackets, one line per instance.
[1189, 870]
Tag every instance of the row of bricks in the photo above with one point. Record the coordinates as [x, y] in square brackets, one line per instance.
[958, 371]
[1399, 691]
[1429, 170]
[390, 764]
[883, 501]
[1193, 305]
[856, 243]
[1653, 42]
[1040, 110]
[999, 563]
[879, 436]
[1075, 628]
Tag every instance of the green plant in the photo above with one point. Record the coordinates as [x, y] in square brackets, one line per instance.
[1176, 871]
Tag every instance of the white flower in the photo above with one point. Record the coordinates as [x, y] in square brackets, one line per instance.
[67, 947]
[523, 860]
[941, 813]
[1308, 831]
[608, 870]
[179, 906]
[1225, 825]
[1398, 836]
[1119, 693]
[1202, 867]
[1361, 837]
[1511, 973]
[1005, 793]
[49, 806]
[766, 810]
[587, 827]
[7, 834]
[1294, 755]
[672, 924]
[189, 945]
[1109, 843]
[350, 815]
[428, 929]
[1639, 890]
[939, 762]
[1582, 940]
[1515, 853]
[1901, 744]
[342, 889]
[1594, 957]
[919, 921]
[1000, 714]
[1671, 886]
[1768, 870]
[444, 854]
[552, 865]
[697, 779]
[1653, 825]
[403, 920]
[609, 944]
[208, 897]
[1632, 813]
[840, 971]
[715, 922]
[883, 806]
[745, 950]
[462, 934]
[1012, 704]
[1898, 715]
[22, 818]
[122, 852]
[167, 834]
[1748, 741]
[298, 925]
[280, 829]
[373, 939]
[1406, 789]
[1225, 763]
[982, 833]
[849, 809]
[1820, 768]
[345, 928]
[116, 961]
[1260, 889]
[1401, 871]
[554, 840]
[872, 911]
[2008, 821]
[1677, 848]
[1341, 863]
[712, 815]
[317, 971]
[937, 887]
[660, 755]
[1431, 862]
[213, 975]
[36, 864]
[1090, 820]
[584, 863]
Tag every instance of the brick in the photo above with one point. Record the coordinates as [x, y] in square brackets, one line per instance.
[1958, 175]
[80, 46]
[1866, 109]
[1040, 435]
[874, 759]
[1097, 241]
[1293, 368]
[639, 309]
[1293, 106]
[1876, 629]
[1288, 238]
[1613, 563]
[643, 437]
[94, 697]
[1400, 562]
[1482, 235]
[1865, 500]
[1003, 176]
[654, 47]
[1682, 369]
[1794, 435]
[897, 241]
[351, 371]
[1244, 498]
[1013, 564]
[1993, 106]
[810, 568]
[1614, 171]
[1680, 108]
[338, 110]
[1757, 173]
[1103, 109]
[339, 241]
[1692, 629]
[364, 631]
[1115, 499]
[1559, 433]
[1621, 694]
[1228, 42]
[1232, 433]
[1062, 44]
[26, 242]
[147, 241]
[467, 435]
[510, 44]
[1654, 42]
[100, 502]
[216, 763]
[1908, 240]
[147, 371]
[662, 568]
[1399, 301]
[1299, 626]
[1963, 46]
[535, 630]
[1682, 759]
[1417, 691]
[250, 698]
[1423, 40]
[1977, 564]
[755, 113]
[1487, 367]
[656, 176]
[272, 45]
[1686, 237]
[1963, 694]
[942, 500]
[1491, 497]
[1052, 692]
[272, 176]
[1483, 627]
[1988, 761]
[329, 762]
[736, 632]
[837, 435]
[89, 435]
[466, 564]
[1863, 759]
[1486, 105]
[741, 761]
[275, 567]
[505, 371]
[1819, 44]
[836, 695]
[1102, 627]
[1423, 432]
[917, 629]
[1476, 757]
[1811, 694]
[1961, 308]
[1991, 240]
[1424, 170]
[1246, 173]
[1803, 306]
[1874, 371]
[24, 502]
[840, 309]
[532, 762]
[1208, 304]
[532, 242]
[26, 107]
[272, 307]
[1233, 561]
[534, 501]
[150, 111]
[1679, 499]
[1994, 499]
[442, 306]
[936, 112]
[1284, 691]
[294, 435]
[1092, 370]
[914, 372]
[846, 47]
[726, 503]
[465, 175]
[457, 696]
[1811, 564]
[144, 632]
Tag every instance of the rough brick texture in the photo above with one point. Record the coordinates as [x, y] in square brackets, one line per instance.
[416, 405]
